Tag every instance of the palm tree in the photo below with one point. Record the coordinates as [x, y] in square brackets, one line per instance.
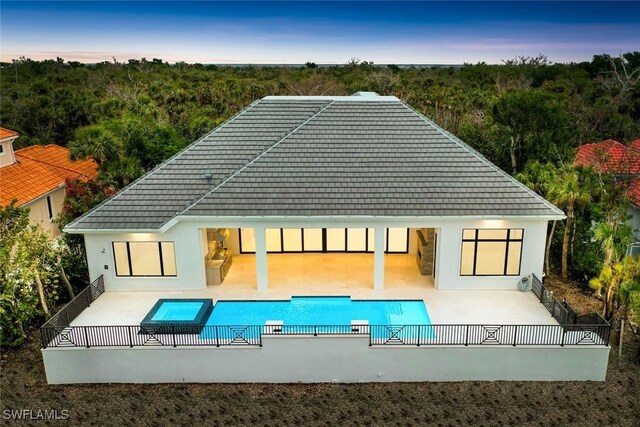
[539, 177]
[620, 281]
[570, 190]
[94, 142]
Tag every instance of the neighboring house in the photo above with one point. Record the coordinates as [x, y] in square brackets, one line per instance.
[35, 177]
[353, 196]
[613, 157]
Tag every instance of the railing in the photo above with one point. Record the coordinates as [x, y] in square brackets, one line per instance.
[560, 310]
[379, 335]
[60, 321]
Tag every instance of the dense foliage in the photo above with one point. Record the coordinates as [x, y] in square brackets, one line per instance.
[526, 115]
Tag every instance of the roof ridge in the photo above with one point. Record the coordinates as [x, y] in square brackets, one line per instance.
[483, 159]
[271, 147]
[166, 162]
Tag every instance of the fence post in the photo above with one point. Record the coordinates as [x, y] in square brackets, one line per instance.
[515, 335]
[553, 306]
[466, 337]
[173, 330]
[564, 333]
[130, 339]
[86, 335]
[42, 337]
[260, 335]
[315, 330]
[419, 328]
[217, 338]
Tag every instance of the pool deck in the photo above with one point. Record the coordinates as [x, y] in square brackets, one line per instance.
[288, 277]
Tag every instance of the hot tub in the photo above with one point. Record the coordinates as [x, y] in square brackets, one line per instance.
[183, 316]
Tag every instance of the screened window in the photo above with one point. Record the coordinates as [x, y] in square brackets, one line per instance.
[491, 252]
[144, 258]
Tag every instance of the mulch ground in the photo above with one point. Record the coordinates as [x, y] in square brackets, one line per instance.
[614, 402]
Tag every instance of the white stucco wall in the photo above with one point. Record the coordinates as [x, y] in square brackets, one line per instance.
[190, 239]
[190, 243]
[450, 251]
[324, 359]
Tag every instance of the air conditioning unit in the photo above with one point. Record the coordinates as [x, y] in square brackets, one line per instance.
[525, 284]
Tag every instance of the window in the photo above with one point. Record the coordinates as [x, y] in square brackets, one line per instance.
[49, 207]
[144, 258]
[1, 149]
[491, 252]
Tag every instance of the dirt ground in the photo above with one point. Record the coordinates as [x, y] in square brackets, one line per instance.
[614, 402]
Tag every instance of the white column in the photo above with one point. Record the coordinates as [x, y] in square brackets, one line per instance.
[261, 258]
[378, 258]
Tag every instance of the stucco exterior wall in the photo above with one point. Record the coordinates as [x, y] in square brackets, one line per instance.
[324, 359]
[190, 241]
[39, 212]
[190, 244]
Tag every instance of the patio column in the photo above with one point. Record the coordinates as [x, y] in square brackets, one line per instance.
[378, 258]
[261, 258]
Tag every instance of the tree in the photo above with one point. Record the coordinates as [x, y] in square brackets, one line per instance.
[540, 177]
[571, 189]
[94, 142]
[620, 285]
[29, 274]
[533, 120]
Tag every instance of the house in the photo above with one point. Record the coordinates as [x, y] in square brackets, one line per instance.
[35, 177]
[340, 238]
[621, 160]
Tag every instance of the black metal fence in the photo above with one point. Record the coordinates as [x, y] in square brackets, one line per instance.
[60, 321]
[378, 335]
[560, 310]
[571, 330]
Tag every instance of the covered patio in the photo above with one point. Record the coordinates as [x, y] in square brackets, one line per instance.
[325, 272]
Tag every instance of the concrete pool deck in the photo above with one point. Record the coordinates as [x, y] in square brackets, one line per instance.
[305, 275]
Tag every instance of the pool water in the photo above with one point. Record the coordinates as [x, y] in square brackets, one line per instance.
[177, 310]
[320, 311]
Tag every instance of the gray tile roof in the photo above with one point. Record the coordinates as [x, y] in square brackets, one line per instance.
[319, 156]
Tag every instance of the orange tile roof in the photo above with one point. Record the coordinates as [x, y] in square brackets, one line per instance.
[633, 193]
[6, 133]
[610, 156]
[40, 169]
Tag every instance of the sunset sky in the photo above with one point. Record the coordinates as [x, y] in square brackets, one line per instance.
[324, 32]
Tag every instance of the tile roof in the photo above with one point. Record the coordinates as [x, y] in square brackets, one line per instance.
[6, 133]
[616, 158]
[320, 156]
[40, 169]
[610, 156]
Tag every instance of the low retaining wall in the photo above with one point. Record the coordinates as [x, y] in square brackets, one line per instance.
[287, 359]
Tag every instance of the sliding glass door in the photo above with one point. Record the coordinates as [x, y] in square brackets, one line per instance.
[296, 240]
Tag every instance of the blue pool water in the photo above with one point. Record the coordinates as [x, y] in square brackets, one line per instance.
[320, 311]
[177, 310]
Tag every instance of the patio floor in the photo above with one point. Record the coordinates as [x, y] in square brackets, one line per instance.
[333, 274]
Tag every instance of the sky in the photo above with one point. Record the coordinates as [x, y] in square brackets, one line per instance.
[321, 32]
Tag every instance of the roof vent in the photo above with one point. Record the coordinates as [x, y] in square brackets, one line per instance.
[208, 177]
[366, 94]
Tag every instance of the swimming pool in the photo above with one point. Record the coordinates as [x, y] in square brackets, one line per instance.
[334, 313]
[320, 311]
